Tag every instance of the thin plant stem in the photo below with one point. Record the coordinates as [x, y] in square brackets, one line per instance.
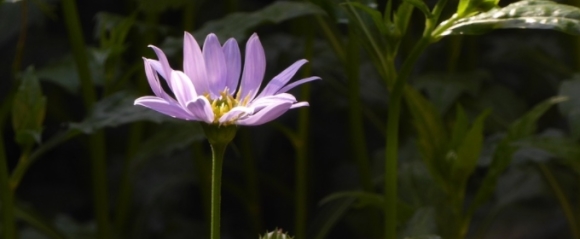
[564, 202]
[6, 195]
[302, 142]
[96, 142]
[19, 171]
[392, 145]
[21, 37]
[218, 150]
[355, 114]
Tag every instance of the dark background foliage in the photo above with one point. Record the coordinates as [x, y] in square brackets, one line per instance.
[507, 71]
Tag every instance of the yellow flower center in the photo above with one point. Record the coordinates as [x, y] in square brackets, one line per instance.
[224, 103]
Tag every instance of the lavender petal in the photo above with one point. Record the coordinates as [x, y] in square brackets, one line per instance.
[194, 64]
[254, 68]
[267, 114]
[281, 79]
[236, 112]
[297, 83]
[201, 108]
[215, 63]
[162, 106]
[233, 64]
[182, 88]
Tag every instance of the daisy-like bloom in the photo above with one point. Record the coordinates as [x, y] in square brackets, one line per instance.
[209, 87]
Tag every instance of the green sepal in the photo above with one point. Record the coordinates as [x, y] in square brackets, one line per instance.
[219, 134]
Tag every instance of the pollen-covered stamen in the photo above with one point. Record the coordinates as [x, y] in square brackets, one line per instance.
[222, 105]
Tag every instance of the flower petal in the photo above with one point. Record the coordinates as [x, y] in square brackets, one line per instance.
[299, 104]
[281, 79]
[215, 63]
[182, 88]
[267, 114]
[201, 108]
[166, 68]
[162, 106]
[233, 64]
[260, 103]
[254, 68]
[235, 113]
[157, 67]
[194, 64]
[297, 83]
[154, 80]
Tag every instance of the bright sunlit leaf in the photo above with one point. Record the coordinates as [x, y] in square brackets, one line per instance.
[531, 14]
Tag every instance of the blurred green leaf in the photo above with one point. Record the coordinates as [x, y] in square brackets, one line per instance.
[571, 108]
[329, 216]
[431, 135]
[468, 7]
[422, 6]
[567, 150]
[532, 14]
[363, 198]
[168, 138]
[115, 110]
[63, 71]
[422, 223]
[468, 152]
[374, 14]
[238, 25]
[520, 129]
[156, 7]
[38, 223]
[444, 89]
[28, 109]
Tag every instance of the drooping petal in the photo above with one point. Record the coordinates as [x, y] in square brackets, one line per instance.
[163, 61]
[297, 83]
[201, 108]
[254, 68]
[154, 80]
[162, 106]
[215, 63]
[281, 79]
[299, 104]
[157, 67]
[182, 88]
[260, 103]
[267, 114]
[194, 64]
[235, 113]
[233, 64]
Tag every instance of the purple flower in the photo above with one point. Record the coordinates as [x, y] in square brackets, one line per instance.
[208, 88]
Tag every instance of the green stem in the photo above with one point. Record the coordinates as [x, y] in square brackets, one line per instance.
[97, 140]
[392, 144]
[559, 193]
[23, 163]
[355, 116]
[302, 143]
[21, 36]
[218, 150]
[6, 195]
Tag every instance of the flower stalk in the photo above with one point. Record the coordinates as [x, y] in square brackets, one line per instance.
[6, 196]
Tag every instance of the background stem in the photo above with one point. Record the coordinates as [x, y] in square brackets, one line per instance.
[97, 140]
[6, 195]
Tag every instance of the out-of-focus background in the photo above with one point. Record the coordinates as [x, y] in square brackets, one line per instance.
[157, 168]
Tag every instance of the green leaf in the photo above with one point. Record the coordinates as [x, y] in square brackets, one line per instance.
[169, 137]
[329, 216]
[468, 152]
[115, 110]
[28, 109]
[422, 223]
[237, 25]
[374, 14]
[571, 108]
[38, 223]
[532, 14]
[432, 138]
[420, 4]
[364, 198]
[467, 7]
[460, 128]
[502, 157]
